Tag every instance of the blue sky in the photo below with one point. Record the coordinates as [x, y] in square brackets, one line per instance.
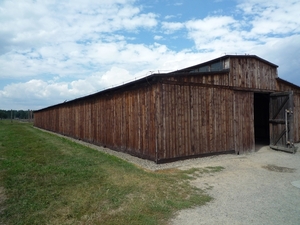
[52, 51]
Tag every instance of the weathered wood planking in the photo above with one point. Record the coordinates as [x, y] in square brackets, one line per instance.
[251, 73]
[244, 138]
[120, 121]
[285, 86]
[196, 120]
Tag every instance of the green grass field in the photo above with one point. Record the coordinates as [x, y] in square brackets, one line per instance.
[46, 179]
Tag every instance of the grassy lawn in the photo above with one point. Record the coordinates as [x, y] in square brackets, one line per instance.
[46, 179]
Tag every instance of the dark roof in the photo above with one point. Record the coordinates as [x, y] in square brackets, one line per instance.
[288, 83]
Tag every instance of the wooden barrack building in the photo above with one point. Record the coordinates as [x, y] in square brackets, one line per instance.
[224, 105]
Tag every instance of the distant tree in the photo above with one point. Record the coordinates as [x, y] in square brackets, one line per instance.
[2, 114]
[21, 114]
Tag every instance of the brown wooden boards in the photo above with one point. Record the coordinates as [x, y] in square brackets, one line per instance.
[123, 121]
[195, 121]
[250, 73]
[285, 86]
[282, 121]
[244, 122]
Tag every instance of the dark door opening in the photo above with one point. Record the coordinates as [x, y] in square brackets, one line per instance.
[261, 119]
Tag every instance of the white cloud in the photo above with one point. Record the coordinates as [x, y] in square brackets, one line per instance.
[115, 77]
[170, 27]
[54, 92]
[178, 3]
[32, 92]
[210, 33]
[158, 37]
[40, 93]
[34, 24]
[66, 49]
[65, 38]
[272, 17]
[169, 17]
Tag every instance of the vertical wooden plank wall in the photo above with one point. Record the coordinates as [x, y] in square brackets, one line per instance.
[195, 120]
[124, 121]
[297, 117]
[252, 73]
[296, 97]
[244, 138]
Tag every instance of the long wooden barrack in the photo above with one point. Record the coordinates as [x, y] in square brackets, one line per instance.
[200, 110]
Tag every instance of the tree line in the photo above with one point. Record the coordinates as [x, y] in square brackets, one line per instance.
[16, 114]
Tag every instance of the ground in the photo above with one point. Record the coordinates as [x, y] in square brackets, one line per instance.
[252, 189]
[255, 188]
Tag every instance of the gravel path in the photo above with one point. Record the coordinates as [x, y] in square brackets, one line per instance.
[252, 189]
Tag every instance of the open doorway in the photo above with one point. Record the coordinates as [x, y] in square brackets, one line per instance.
[261, 119]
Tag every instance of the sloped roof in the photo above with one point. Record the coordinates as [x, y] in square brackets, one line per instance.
[288, 83]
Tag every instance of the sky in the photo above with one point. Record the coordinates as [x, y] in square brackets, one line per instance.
[57, 50]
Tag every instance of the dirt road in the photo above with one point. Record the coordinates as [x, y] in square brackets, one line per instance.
[252, 189]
